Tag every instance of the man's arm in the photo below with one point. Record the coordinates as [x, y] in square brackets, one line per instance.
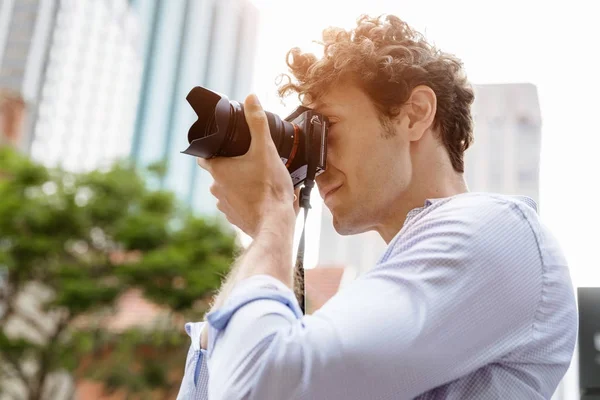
[233, 278]
[270, 254]
[444, 302]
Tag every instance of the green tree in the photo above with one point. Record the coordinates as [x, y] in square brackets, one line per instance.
[70, 246]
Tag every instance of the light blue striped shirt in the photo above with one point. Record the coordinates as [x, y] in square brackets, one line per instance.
[472, 299]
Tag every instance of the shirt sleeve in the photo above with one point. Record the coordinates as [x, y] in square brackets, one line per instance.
[194, 385]
[454, 295]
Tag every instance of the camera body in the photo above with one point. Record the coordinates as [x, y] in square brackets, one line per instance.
[221, 131]
[313, 126]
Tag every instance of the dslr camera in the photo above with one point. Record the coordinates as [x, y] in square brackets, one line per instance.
[221, 131]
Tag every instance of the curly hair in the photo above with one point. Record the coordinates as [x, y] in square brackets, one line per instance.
[388, 59]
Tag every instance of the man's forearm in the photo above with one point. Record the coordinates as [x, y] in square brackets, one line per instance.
[270, 253]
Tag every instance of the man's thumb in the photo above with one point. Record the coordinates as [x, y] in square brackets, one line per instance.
[257, 122]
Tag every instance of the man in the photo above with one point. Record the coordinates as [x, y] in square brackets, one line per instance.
[472, 298]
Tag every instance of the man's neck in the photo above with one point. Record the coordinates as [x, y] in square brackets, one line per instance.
[393, 221]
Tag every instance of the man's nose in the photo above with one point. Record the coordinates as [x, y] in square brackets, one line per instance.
[320, 179]
[330, 154]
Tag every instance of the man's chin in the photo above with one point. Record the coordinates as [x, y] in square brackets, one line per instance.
[346, 227]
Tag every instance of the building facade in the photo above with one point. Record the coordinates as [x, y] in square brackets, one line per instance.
[505, 157]
[77, 66]
[25, 32]
[12, 116]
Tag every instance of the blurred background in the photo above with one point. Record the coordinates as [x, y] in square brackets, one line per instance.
[101, 263]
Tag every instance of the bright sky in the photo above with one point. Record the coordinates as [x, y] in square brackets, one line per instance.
[554, 46]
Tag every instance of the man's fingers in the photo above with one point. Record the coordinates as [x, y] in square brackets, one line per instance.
[214, 189]
[258, 124]
[297, 194]
[212, 165]
[204, 163]
[297, 200]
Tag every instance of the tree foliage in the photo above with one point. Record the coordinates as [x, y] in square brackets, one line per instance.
[71, 245]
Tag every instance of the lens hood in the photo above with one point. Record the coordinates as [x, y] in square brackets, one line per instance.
[207, 134]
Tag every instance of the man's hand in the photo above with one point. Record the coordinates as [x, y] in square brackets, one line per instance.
[256, 186]
[297, 201]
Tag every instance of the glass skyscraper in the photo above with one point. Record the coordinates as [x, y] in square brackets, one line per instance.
[76, 65]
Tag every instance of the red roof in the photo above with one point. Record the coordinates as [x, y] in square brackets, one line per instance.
[321, 283]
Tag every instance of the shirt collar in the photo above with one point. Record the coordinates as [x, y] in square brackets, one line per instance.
[415, 211]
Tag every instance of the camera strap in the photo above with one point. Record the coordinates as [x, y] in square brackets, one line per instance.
[299, 288]
[313, 149]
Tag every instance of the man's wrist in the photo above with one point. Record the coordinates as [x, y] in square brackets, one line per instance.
[274, 238]
[271, 250]
[279, 220]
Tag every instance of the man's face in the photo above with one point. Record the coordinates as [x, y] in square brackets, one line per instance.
[370, 162]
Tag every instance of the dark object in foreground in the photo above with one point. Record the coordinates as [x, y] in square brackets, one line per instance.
[588, 299]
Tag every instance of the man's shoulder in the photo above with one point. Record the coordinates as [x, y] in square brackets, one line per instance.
[467, 202]
[477, 211]
[472, 222]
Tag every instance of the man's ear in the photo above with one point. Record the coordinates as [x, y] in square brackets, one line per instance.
[420, 110]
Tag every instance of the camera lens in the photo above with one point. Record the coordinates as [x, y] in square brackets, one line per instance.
[222, 131]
